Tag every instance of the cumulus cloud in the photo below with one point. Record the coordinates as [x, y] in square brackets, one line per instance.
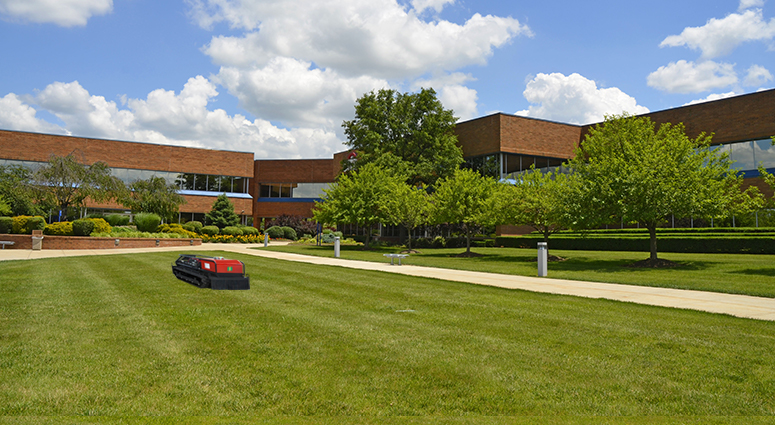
[453, 94]
[712, 97]
[355, 37]
[690, 77]
[575, 99]
[17, 115]
[65, 13]
[719, 37]
[757, 76]
[164, 117]
[749, 4]
[437, 5]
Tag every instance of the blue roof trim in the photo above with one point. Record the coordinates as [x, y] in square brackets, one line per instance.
[214, 194]
[288, 199]
[754, 173]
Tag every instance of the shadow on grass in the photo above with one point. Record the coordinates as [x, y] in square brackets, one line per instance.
[756, 272]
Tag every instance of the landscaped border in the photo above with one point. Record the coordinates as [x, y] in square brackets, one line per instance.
[85, 242]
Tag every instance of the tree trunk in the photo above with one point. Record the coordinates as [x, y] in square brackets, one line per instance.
[468, 240]
[368, 236]
[652, 239]
[409, 239]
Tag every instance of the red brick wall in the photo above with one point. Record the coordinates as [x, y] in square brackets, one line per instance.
[294, 171]
[80, 242]
[274, 209]
[736, 119]
[519, 135]
[144, 156]
[203, 204]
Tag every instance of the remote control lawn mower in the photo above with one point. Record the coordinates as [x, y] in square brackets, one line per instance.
[211, 272]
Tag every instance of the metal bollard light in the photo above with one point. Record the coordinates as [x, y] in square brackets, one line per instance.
[266, 240]
[542, 259]
[336, 246]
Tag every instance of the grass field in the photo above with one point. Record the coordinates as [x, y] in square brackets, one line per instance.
[119, 335]
[731, 273]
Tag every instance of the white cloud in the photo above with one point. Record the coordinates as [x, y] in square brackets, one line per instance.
[712, 97]
[437, 5]
[66, 13]
[164, 117]
[575, 99]
[719, 37]
[688, 77]
[749, 4]
[293, 92]
[16, 115]
[757, 76]
[355, 37]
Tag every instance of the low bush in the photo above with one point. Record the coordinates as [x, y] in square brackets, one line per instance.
[193, 226]
[25, 224]
[210, 230]
[117, 219]
[100, 225]
[693, 244]
[6, 224]
[63, 228]
[177, 229]
[298, 223]
[289, 233]
[328, 237]
[95, 215]
[146, 222]
[83, 227]
[275, 232]
[249, 230]
[231, 231]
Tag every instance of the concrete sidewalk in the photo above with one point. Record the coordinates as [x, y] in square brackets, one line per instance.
[735, 305]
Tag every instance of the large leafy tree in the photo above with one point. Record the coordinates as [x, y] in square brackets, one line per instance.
[16, 189]
[410, 133]
[66, 182]
[154, 196]
[463, 198]
[626, 170]
[222, 214]
[359, 197]
[408, 206]
[535, 200]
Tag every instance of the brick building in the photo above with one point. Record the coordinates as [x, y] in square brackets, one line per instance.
[498, 145]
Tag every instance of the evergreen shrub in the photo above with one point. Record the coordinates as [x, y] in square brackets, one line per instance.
[25, 224]
[210, 230]
[275, 232]
[147, 222]
[100, 225]
[193, 226]
[83, 227]
[231, 231]
[62, 228]
[289, 233]
[117, 219]
[6, 224]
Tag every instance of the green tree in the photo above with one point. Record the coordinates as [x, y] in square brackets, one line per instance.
[154, 196]
[463, 198]
[65, 182]
[535, 200]
[410, 207]
[769, 180]
[16, 189]
[5, 209]
[359, 197]
[410, 133]
[222, 214]
[625, 170]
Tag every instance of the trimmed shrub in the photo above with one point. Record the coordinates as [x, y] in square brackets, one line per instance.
[193, 226]
[176, 229]
[117, 219]
[146, 222]
[289, 233]
[95, 215]
[275, 232]
[100, 225]
[6, 224]
[231, 231]
[63, 228]
[25, 224]
[83, 227]
[248, 230]
[298, 223]
[210, 230]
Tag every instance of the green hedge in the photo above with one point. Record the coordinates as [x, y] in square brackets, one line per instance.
[117, 219]
[709, 244]
[6, 225]
[210, 230]
[83, 227]
[146, 222]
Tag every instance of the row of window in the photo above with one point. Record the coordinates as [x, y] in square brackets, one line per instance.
[292, 190]
[185, 181]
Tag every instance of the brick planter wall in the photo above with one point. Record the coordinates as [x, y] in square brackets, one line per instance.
[81, 242]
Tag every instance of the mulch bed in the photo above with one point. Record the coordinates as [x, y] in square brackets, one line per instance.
[653, 264]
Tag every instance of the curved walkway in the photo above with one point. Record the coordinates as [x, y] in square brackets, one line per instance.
[735, 305]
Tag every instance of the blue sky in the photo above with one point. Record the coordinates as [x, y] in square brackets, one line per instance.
[278, 77]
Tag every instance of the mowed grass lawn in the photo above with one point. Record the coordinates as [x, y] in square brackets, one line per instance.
[747, 274]
[119, 335]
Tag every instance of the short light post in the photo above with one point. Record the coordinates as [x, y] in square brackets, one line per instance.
[266, 240]
[542, 259]
[336, 246]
